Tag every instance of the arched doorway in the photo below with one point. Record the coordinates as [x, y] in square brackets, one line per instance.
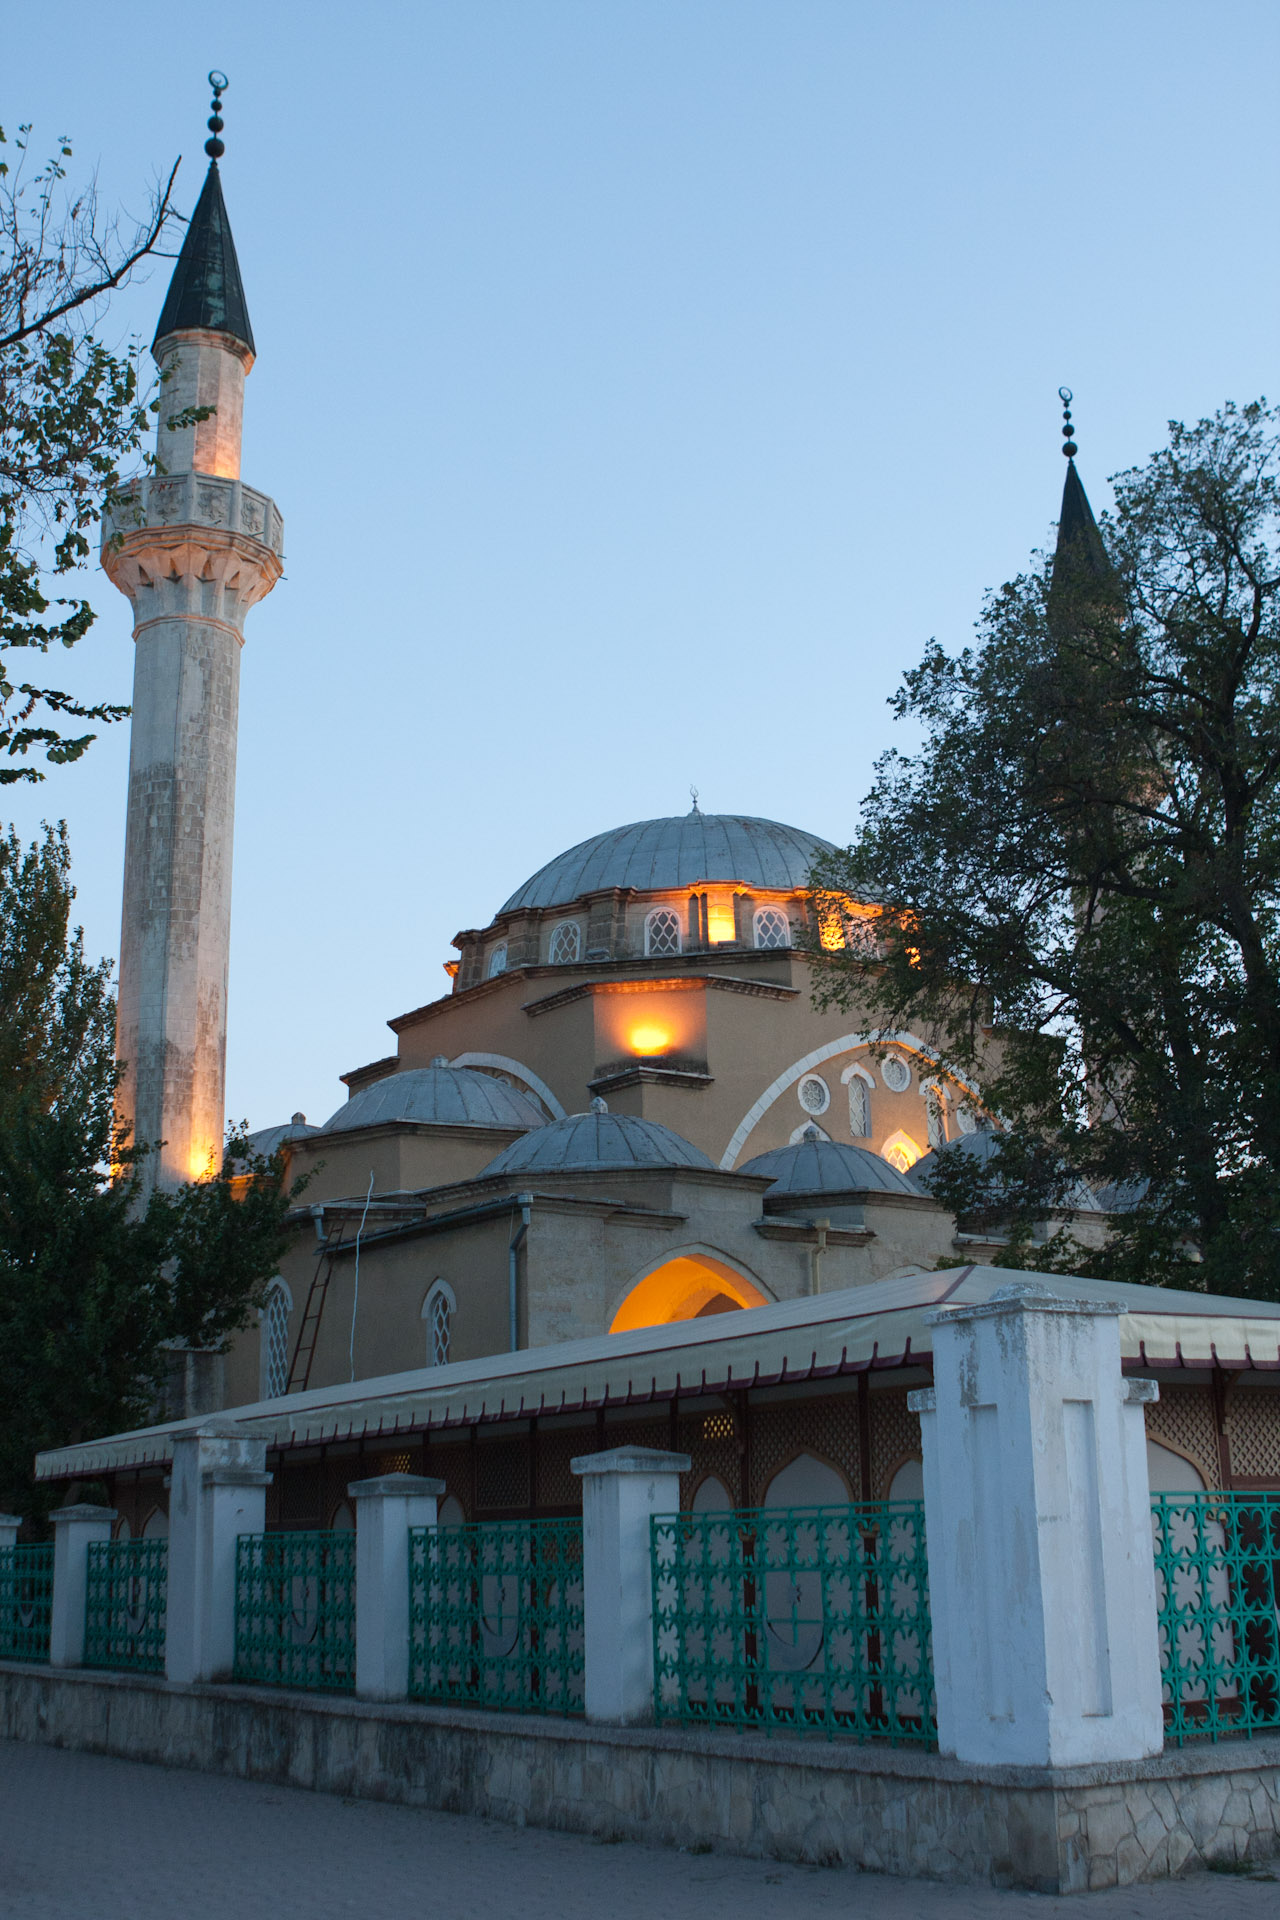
[688, 1287]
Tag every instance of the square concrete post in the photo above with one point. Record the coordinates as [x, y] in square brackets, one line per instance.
[75, 1529]
[9, 1525]
[621, 1491]
[386, 1508]
[1037, 1514]
[217, 1492]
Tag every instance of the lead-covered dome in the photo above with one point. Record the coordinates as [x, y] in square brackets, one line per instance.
[437, 1096]
[656, 856]
[587, 1141]
[815, 1167]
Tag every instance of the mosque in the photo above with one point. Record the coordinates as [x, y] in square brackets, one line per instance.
[622, 1175]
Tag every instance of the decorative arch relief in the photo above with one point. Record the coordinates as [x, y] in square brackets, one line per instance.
[503, 1063]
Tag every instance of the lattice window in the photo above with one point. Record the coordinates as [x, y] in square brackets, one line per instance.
[1253, 1428]
[825, 1428]
[813, 1093]
[566, 944]
[1183, 1418]
[935, 1121]
[895, 1073]
[498, 960]
[772, 928]
[662, 931]
[275, 1343]
[895, 1435]
[859, 1108]
[502, 1473]
[438, 1324]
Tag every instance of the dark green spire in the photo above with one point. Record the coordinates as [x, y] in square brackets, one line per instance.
[206, 289]
[1079, 551]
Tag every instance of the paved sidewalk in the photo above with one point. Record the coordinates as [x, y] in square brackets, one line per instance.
[86, 1838]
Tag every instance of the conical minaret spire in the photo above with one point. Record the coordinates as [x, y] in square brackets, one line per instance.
[193, 549]
[1079, 550]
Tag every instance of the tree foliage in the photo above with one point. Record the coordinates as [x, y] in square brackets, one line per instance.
[95, 1290]
[1078, 875]
[72, 412]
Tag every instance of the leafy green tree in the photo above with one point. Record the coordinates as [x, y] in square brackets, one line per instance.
[1078, 874]
[71, 414]
[94, 1290]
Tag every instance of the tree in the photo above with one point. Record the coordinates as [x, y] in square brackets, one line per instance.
[71, 414]
[95, 1291]
[1078, 874]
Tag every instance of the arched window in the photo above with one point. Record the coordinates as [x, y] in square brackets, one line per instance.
[813, 1093]
[662, 931]
[498, 960]
[772, 928]
[901, 1151]
[274, 1340]
[935, 1115]
[566, 944]
[859, 1108]
[438, 1310]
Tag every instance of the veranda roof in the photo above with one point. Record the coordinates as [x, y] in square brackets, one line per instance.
[879, 1326]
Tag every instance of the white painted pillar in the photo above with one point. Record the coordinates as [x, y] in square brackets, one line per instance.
[1037, 1512]
[621, 1491]
[75, 1529]
[217, 1492]
[386, 1508]
[9, 1525]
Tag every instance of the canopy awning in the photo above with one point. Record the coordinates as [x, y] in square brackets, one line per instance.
[817, 1338]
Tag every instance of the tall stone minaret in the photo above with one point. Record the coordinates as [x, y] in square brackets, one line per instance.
[193, 549]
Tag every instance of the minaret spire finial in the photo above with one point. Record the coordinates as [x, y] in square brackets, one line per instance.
[1070, 449]
[214, 147]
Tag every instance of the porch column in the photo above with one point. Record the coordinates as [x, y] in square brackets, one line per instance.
[217, 1492]
[621, 1491]
[9, 1525]
[1037, 1514]
[386, 1508]
[75, 1529]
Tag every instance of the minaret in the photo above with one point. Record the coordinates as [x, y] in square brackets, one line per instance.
[1079, 551]
[193, 549]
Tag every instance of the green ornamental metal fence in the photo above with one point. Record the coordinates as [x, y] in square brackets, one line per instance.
[1218, 1594]
[495, 1615]
[26, 1602]
[795, 1620]
[127, 1584]
[296, 1609]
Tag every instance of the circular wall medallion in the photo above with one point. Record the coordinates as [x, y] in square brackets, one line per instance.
[814, 1094]
[895, 1073]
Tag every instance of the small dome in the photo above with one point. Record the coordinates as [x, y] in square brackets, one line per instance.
[655, 856]
[437, 1096]
[269, 1140]
[586, 1141]
[830, 1167]
[981, 1146]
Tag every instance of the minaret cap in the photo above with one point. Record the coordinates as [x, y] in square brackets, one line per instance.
[206, 290]
[1079, 542]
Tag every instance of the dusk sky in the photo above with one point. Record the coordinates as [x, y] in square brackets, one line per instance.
[643, 383]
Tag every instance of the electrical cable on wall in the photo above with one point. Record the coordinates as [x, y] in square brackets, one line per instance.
[355, 1297]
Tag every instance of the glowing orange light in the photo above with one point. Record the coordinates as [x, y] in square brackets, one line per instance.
[901, 1151]
[831, 932]
[649, 1039]
[720, 921]
[681, 1289]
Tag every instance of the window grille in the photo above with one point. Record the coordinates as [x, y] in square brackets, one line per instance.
[26, 1602]
[275, 1343]
[772, 928]
[935, 1118]
[495, 1615]
[895, 1073]
[813, 1093]
[566, 944]
[662, 932]
[795, 1620]
[498, 961]
[859, 1108]
[296, 1609]
[438, 1329]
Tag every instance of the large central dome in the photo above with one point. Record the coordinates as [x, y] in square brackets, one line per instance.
[654, 856]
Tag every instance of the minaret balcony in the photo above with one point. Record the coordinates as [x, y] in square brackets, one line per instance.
[193, 544]
[195, 500]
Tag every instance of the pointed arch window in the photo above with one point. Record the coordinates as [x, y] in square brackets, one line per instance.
[438, 1310]
[935, 1114]
[498, 960]
[662, 931]
[275, 1341]
[772, 928]
[566, 944]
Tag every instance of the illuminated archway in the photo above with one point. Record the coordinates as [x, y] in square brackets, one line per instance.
[688, 1287]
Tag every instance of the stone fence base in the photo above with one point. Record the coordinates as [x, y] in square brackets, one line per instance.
[882, 1809]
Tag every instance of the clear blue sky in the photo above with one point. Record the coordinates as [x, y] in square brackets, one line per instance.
[643, 383]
